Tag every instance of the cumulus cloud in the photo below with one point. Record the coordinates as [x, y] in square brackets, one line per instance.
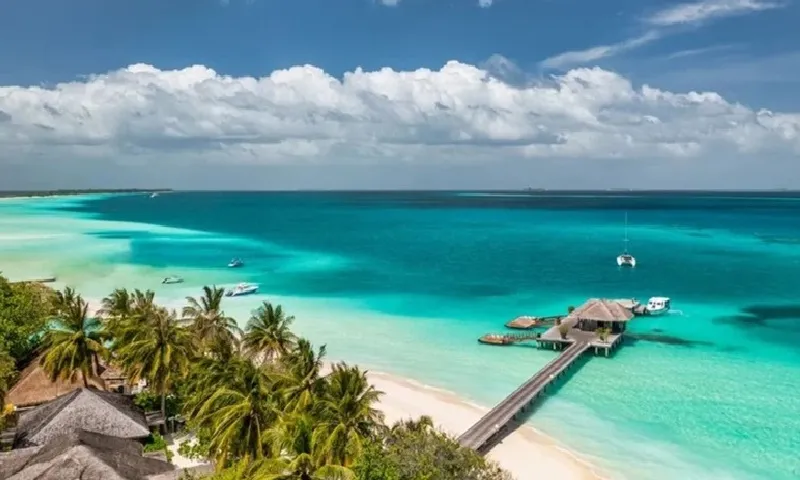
[697, 12]
[459, 113]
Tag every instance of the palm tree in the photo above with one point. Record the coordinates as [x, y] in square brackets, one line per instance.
[73, 340]
[234, 400]
[296, 455]
[209, 323]
[158, 351]
[268, 335]
[300, 379]
[347, 415]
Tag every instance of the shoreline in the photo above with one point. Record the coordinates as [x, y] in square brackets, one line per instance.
[405, 398]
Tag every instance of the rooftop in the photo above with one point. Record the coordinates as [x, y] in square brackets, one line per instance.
[602, 310]
[83, 409]
[35, 387]
[82, 455]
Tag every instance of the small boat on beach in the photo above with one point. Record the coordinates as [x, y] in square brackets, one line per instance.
[626, 259]
[657, 306]
[172, 279]
[235, 263]
[242, 289]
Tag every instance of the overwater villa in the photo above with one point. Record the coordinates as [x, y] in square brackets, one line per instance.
[598, 322]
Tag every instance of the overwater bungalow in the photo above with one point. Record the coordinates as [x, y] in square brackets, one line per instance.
[598, 322]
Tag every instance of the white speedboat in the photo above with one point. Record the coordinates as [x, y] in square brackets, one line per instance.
[154, 195]
[172, 279]
[235, 263]
[626, 259]
[242, 289]
[657, 306]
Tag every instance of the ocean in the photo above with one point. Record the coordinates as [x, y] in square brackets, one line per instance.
[405, 282]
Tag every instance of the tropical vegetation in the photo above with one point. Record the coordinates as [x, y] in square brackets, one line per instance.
[262, 403]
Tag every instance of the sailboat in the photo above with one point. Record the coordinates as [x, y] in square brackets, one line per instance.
[626, 259]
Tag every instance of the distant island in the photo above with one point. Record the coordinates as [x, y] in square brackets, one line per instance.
[65, 192]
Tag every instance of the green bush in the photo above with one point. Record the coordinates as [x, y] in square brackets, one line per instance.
[156, 443]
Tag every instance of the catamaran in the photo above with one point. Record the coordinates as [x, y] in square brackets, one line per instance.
[242, 289]
[626, 259]
[172, 279]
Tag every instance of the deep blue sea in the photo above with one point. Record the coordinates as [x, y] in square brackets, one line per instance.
[405, 282]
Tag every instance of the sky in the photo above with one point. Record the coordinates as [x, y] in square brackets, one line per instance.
[428, 94]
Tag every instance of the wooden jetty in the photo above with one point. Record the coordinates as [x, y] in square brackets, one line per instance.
[38, 280]
[496, 424]
[507, 338]
[526, 322]
[598, 324]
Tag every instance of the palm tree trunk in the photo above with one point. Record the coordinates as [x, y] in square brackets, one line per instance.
[96, 364]
[164, 406]
[85, 380]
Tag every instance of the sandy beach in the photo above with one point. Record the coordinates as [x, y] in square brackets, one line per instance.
[526, 453]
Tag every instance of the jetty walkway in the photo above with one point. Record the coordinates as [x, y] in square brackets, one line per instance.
[493, 426]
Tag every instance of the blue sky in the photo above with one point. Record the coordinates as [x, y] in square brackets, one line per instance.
[747, 51]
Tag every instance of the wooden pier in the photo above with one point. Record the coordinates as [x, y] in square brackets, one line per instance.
[526, 322]
[500, 421]
[598, 324]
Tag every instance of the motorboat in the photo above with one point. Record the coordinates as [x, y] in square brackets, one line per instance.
[154, 195]
[626, 259]
[242, 289]
[236, 263]
[657, 306]
[172, 279]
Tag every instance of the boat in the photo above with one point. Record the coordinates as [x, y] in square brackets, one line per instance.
[626, 259]
[172, 279]
[154, 195]
[235, 263]
[657, 306]
[242, 289]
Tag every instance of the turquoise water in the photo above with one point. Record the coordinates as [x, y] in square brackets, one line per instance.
[406, 282]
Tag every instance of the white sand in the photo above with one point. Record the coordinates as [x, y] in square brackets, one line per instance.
[526, 453]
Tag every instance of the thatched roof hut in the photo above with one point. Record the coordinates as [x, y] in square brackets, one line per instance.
[602, 310]
[34, 386]
[83, 409]
[82, 455]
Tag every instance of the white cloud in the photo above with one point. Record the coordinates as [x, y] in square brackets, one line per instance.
[459, 113]
[485, 3]
[390, 3]
[697, 12]
[578, 57]
[660, 23]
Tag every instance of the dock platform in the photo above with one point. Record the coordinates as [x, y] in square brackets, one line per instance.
[598, 324]
[499, 422]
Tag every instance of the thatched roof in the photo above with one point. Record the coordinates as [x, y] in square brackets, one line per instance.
[603, 310]
[84, 409]
[82, 455]
[34, 386]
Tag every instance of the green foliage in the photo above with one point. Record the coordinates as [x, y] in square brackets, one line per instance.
[414, 451]
[151, 401]
[73, 340]
[156, 443]
[261, 409]
[24, 311]
[563, 330]
[7, 376]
